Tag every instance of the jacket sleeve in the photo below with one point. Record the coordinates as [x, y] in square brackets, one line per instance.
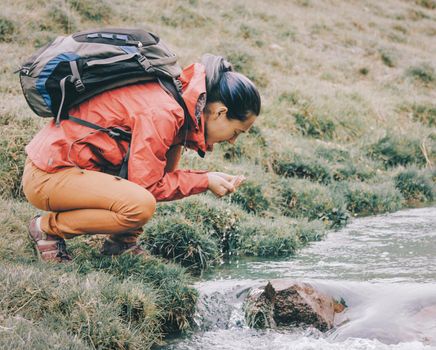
[152, 136]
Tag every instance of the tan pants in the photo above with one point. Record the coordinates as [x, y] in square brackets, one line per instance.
[88, 202]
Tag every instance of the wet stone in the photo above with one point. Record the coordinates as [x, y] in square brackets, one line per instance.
[284, 303]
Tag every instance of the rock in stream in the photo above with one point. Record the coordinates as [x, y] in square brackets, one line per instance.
[284, 303]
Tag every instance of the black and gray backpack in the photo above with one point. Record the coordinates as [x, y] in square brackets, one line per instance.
[74, 68]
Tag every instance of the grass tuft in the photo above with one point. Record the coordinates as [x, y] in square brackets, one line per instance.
[15, 134]
[304, 168]
[250, 196]
[313, 125]
[302, 198]
[387, 57]
[217, 219]
[415, 185]
[182, 241]
[366, 199]
[278, 237]
[7, 29]
[393, 150]
[423, 72]
[425, 113]
[96, 11]
[184, 17]
[429, 4]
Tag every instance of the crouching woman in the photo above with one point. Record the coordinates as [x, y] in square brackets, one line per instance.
[71, 169]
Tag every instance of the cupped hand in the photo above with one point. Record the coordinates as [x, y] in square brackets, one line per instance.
[235, 180]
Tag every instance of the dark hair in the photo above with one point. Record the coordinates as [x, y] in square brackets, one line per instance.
[234, 90]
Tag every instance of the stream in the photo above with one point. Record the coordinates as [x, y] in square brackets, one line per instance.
[384, 267]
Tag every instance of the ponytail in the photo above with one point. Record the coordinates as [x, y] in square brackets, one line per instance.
[234, 90]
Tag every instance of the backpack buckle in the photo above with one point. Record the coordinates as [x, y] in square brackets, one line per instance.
[79, 86]
[144, 62]
[113, 133]
[178, 85]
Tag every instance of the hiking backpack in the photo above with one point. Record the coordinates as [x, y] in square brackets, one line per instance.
[74, 68]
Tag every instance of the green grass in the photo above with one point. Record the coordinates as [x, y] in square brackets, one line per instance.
[251, 197]
[415, 185]
[7, 29]
[370, 199]
[423, 72]
[182, 241]
[277, 237]
[422, 112]
[393, 150]
[303, 198]
[98, 309]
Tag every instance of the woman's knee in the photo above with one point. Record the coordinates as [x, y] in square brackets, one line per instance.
[148, 207]
[140, 210]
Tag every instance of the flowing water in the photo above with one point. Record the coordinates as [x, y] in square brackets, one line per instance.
[384, 267]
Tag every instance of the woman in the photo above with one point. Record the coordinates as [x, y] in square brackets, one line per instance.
[68, 170]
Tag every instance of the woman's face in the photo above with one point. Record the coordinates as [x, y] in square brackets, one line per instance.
[218, 128]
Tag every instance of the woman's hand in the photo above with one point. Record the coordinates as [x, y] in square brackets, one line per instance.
[222, 184]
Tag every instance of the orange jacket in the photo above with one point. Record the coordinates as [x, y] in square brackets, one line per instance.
[155, 120]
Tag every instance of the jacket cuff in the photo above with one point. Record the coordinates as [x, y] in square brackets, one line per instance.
[201, 180]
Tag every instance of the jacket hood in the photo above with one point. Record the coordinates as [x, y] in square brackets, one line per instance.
[193, 79]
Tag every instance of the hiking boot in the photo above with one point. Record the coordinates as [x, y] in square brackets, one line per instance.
[114, 248]
[48, 247]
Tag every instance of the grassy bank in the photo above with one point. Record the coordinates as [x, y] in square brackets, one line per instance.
[347, 128]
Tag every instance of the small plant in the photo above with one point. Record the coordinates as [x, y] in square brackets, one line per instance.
[304, 168]
[423, 72]
[365, 199]
[414, 186]
[7, 29]
[289, 97]
[251, 198]
[424, 113]
[311, 125]
[387, 57]
[97, 11]
[350, 170]
[184, 17]
[364, 70]
[394, 150]
[268, 238]
[305, 199]
[278, 237]
[429, 4]
[248, 32]
[60, 19]
[333, 154]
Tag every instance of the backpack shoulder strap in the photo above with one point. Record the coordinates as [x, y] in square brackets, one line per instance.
[174, 88]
